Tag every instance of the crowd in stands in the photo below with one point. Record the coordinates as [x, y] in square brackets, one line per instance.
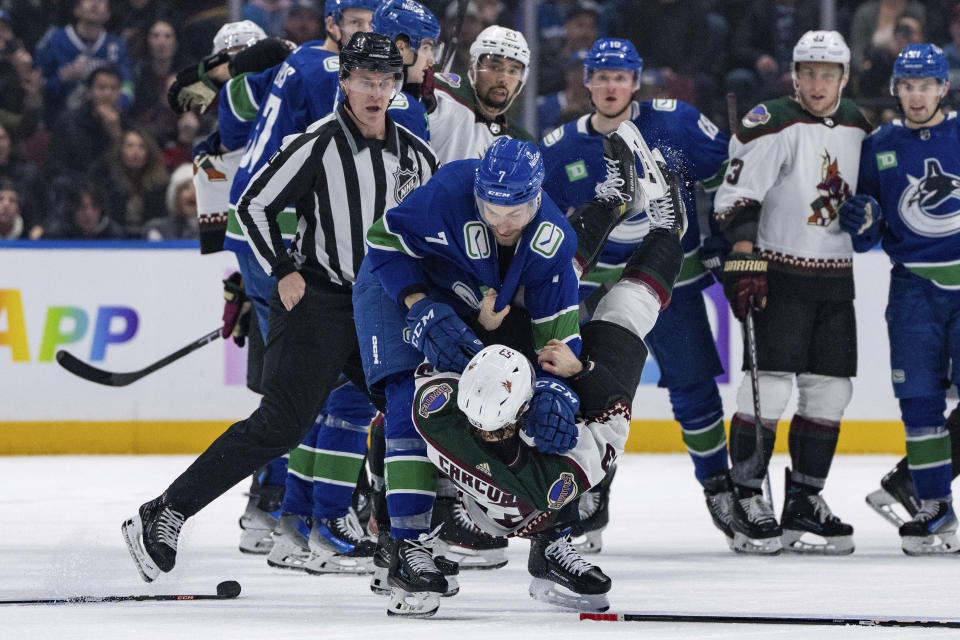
[89, 147]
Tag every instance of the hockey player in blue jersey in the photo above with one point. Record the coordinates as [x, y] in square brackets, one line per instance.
[681, 341]
[416, 32]
[908, 198]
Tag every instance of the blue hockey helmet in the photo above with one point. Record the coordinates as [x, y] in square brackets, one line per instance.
[612, 53]
[511, 172]
[336, 7]
[507, 183]
[408, 18]
[920, 60]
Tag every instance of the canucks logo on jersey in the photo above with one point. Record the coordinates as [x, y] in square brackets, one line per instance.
[930, 205]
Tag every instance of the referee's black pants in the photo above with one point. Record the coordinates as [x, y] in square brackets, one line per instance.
[307, 349]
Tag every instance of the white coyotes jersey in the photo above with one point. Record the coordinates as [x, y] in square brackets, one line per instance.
[800, 168]
[455, 131]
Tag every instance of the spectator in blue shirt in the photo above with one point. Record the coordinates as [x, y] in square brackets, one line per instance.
[67, 55]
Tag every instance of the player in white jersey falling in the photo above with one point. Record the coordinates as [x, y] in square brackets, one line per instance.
[792, 164]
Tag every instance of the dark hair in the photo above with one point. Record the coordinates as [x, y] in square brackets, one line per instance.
[106, 69]
[75, 198]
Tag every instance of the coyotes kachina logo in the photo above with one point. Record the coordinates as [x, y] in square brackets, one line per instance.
[833, 190]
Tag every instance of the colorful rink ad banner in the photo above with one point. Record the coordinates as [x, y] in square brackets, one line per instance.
[122, 307]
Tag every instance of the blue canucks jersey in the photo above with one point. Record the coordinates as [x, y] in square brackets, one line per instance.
[435, 239]
[240, 100]
[915, 176]
[691, 145]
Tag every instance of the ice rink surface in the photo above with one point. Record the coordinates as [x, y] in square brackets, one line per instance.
[60, 537]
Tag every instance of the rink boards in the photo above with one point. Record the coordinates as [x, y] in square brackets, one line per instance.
[123, 306]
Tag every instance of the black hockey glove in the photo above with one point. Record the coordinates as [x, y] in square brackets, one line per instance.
[193, 87]
[260, 56]
[236, 310]
[745, 283]
[551, 419]
[441, 336]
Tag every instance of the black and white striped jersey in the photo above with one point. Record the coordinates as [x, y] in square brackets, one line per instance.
[339, 182]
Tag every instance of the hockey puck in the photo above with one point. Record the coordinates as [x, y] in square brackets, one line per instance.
[228, 589]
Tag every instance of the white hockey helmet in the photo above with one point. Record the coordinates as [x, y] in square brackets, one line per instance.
[496, 387]
[822, 46]
[237, 34]
[500, 41]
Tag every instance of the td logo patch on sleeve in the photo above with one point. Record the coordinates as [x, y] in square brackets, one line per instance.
[576, 171]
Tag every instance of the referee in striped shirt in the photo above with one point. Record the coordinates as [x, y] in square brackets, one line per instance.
[342, 174]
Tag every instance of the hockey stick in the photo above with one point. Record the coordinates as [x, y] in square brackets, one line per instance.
[450, 47]
[750, 333]
[113, 379]
[226, 590]
[755, 462]
[947, 623]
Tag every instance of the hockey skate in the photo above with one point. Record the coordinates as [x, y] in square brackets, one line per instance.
[290, 547]
[562, 577]
[381, 569]
[621, 187]
[933, 530]
[594, 508]
[462, 541]
[719, 497]
[260, 517]
[755, 528]
[416, 583]
[809, 526]
[151, 536]
[339, 546]
[668, 212]
[896, 496]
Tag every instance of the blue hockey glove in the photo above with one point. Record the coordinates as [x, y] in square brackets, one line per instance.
[551, 420]
[440, 335]
[713, 251]
[861, 217]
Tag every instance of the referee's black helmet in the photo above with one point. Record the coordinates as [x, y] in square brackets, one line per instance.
[373, 52]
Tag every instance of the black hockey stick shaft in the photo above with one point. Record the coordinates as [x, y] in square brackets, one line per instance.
[450, 49]
[950, 623]
[116, 379]
[225, 591]
[750, 332]
[756, 461]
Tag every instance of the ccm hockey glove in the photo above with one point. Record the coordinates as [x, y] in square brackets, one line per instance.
[236, 309]
[441, 336]
[551, 419]
[745, 283]
[862, 218]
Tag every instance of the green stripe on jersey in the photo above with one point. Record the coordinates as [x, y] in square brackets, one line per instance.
[946, 275]
[562, 326]
[241, 102]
